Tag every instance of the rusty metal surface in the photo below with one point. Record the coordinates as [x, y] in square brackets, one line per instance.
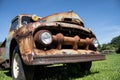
[62, 56]
[26, 42]
[26, 45]
[60, 16]
[74, 41]
[45, 60]
[62, 52]
[47, 25]
[2, 54]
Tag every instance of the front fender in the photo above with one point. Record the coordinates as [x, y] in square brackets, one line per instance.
[25, 44]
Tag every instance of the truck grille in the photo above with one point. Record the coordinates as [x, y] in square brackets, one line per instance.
[69, 38]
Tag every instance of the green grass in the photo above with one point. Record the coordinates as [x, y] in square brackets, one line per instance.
[108, 69]
[4, 75]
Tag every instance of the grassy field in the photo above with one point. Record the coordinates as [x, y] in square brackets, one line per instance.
[108, 69]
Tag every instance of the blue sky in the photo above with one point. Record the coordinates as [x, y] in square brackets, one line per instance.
[102, 16]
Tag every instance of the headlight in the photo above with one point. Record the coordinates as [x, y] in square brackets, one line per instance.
[95, 42]
[46, 37]
[43, 37]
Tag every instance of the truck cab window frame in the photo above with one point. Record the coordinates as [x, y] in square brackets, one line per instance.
[14, 24]
[25, 20]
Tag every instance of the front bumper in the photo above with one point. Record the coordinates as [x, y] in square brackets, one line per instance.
[64, 56]
[56, 59]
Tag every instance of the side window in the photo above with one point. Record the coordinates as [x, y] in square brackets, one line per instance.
[14, 24]
[26, 20]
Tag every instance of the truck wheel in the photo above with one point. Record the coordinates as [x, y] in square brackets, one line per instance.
[0, 67]
[76, 68]
[85, 66]
[20, 71]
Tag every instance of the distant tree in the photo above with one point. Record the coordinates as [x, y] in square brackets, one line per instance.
[113, 45]
[115, 42]
[107, 46]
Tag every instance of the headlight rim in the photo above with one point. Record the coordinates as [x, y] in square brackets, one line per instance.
[38, 39]
[41, 39]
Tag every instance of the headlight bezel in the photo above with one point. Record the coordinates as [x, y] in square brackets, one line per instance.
[46, 37]
[43, 37]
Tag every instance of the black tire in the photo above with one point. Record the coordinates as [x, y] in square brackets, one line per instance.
[85, 66]
[19, 70]
[1, 67]
[77, 68]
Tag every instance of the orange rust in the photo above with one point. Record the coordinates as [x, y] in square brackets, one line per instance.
[62, 52]
[75, 45]
[74, 41]
[26, 45]
[60, 39]
[62, 16]
[2, 52]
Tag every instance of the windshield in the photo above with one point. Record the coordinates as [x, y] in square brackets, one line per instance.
[26, 20]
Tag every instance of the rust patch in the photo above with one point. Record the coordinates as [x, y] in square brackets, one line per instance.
[53, 52]
[44, 60]
[2, 54]
[74, 41]
[26, 45]
[65, 16]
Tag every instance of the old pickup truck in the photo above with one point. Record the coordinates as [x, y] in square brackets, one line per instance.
[59, 38]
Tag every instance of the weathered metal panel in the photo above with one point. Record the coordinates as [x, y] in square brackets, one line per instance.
[2, 54]
[41, 57]
[74, 41]
[38, 52]
[25, 40]
[45, 60]
[26, 43]
[60, 16]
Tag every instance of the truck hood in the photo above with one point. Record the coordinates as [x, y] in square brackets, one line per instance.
[61, 16]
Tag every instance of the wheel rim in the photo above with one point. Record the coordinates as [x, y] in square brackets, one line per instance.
[18, 72]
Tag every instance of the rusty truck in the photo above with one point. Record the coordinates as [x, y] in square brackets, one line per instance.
[60, 38]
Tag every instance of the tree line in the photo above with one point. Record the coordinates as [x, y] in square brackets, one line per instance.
[113, 45]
